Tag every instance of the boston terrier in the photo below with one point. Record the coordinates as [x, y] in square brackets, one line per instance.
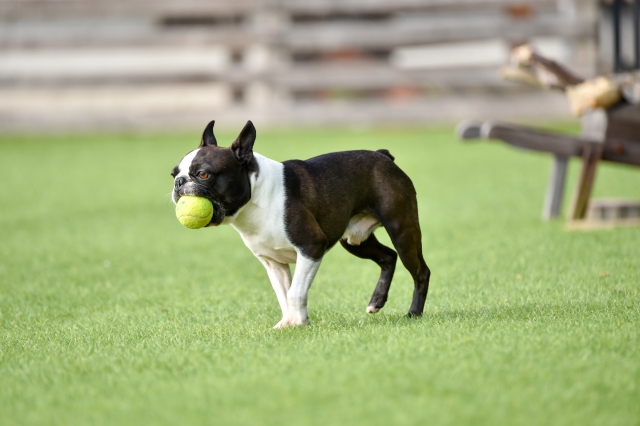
[295, 211]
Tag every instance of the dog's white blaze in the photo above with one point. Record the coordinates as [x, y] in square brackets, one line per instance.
[260, 222]
[359, 228]
[183, 170]
[185, 164]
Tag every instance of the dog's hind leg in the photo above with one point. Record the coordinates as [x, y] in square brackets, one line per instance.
[386, 258]
[406, 237]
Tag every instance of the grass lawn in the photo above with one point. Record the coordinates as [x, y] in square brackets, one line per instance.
[112, 313]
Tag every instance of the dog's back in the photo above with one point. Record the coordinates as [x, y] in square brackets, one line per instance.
[337, 186]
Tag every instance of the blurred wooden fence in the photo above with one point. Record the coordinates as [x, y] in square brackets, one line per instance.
[283, 60]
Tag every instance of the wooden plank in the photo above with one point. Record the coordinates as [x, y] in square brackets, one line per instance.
[72, 8]
[532, 139]
[624, 122]
[186, 106]
[389, 34]
[621, 151]
[385, 6]
[613, 208]
[113, 32]
[42, 67]
[233, 76]
[49, 9]
[120, 65]
[380, 76]
[614, 150]
[590, 225]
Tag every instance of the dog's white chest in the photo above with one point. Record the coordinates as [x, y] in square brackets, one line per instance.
[272, 245]
[261, 222]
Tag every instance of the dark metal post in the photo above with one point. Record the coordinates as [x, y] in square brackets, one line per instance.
[615, 15]
[636, 32]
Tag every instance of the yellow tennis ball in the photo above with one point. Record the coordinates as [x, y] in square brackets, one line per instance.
[194, 212]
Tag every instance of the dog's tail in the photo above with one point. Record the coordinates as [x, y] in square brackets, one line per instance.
[386, 153]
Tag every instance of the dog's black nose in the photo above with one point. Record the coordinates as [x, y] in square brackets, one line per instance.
[180, 181]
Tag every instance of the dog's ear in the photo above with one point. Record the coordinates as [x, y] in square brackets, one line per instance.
[242, 147]
[207, 136]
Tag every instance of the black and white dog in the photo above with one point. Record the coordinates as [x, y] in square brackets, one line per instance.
[295, 211]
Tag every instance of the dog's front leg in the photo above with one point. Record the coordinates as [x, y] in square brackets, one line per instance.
[280, 277]
[297, 296]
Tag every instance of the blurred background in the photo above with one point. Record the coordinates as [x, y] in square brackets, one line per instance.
[70, 65]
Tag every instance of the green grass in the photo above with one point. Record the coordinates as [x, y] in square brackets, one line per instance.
[112, 313]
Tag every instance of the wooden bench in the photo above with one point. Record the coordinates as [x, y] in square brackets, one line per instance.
[608, 135]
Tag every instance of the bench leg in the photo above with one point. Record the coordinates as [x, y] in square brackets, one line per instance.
[555, 191]
[590, 157]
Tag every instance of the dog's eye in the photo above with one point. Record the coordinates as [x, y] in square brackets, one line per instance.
[203, 175]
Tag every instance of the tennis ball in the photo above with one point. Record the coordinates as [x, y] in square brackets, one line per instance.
[194, 212]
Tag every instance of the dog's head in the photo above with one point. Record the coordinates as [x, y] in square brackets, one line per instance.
[219, 174]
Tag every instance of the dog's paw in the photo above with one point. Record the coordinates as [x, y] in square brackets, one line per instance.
[371, 309]
[291, 322]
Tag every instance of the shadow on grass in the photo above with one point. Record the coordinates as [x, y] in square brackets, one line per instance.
[529, 312]
[476, 316]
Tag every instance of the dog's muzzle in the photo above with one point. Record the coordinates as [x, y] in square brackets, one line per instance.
[181, 187]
